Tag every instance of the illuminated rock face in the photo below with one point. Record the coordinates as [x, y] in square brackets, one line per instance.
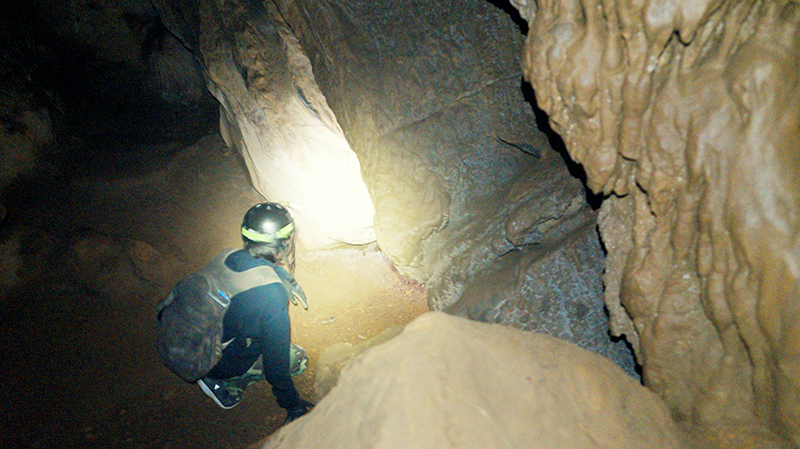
[687, 114]
[423, 96]
[273, 112]
[466, 188]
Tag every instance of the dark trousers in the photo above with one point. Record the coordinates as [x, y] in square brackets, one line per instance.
[261, 317]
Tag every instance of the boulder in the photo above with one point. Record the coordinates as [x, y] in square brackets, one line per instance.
[448, 382]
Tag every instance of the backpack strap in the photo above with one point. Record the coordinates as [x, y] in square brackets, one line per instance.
[295, 291]
[252, 278]
[226, 283]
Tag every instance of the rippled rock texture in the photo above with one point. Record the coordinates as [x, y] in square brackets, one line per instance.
[686, 114]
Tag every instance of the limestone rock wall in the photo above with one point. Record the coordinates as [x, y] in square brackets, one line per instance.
[555, 284]
[464, 185]
[429, 98]
[273, 113]
[687, 114]
[422, 95]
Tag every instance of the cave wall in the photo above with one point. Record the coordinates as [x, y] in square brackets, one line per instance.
[430, 100]
[687, 115]
[422, 95]
[684, 114]
[63, 64]
[272, 111]
[117, 51]
[465, 185]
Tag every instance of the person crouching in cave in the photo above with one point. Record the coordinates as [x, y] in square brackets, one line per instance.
[256, 328]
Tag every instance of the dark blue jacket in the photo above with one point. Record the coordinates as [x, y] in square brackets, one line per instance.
[258, 320]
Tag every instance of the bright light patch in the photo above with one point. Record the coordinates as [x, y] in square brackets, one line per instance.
[299, 161]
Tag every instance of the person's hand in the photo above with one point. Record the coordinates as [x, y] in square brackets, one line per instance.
[295, 297]
[296, 292]
[297, 411]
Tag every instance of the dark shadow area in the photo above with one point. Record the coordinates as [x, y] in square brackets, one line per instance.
[111, 117]
[542, 120]
[129, 139]
[543, 123]
[509, 9]
[636, 366]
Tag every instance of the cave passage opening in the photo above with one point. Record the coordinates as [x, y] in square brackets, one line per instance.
[129, 196]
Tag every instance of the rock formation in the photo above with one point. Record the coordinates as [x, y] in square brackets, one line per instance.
[686, 115]
[273, 112]
[447, 382]
[460, 177]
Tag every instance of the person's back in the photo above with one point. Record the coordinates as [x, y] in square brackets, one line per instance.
[256, 326]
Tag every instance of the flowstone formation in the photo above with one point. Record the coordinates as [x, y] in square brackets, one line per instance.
[686, 114]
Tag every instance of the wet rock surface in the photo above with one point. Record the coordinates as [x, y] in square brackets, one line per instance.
[685, 114]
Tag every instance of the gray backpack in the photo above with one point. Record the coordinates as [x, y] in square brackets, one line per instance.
[190, 318]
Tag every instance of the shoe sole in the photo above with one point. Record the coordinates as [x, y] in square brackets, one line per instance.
[211, 394]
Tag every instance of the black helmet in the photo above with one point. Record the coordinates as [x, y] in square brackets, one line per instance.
[268, 231]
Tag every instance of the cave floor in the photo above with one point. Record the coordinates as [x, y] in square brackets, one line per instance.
[79, 348]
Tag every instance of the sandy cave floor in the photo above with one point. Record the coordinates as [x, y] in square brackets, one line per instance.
[78, 359]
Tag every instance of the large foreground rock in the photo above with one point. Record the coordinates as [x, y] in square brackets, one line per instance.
[447, 382]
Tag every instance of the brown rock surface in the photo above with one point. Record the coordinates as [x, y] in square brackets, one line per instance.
[553, 288]
[447, 382]
[459, 174]
[272, 111]
[334, 358]
[423, 96]
[686, 113]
